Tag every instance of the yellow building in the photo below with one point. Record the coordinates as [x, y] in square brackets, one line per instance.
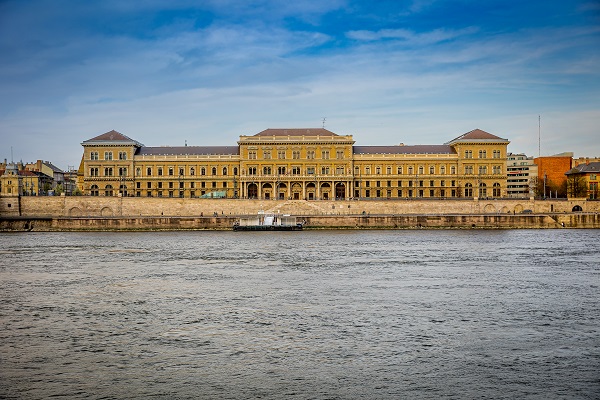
[16, 181]
[309, 164]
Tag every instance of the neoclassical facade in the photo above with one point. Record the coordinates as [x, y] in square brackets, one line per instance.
[307, 164]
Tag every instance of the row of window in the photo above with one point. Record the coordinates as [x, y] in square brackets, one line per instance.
[282, 154]
[482, 154]
[108, 155]
[268, 170]
[180, 185]
[421, 183]
[468, 192]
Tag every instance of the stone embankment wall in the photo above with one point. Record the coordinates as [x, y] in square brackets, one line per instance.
[116, 213]
[84, 206]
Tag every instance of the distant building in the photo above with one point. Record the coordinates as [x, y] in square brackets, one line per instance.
[522, 175]
[16, 181]
[33, 179]
[551, 172]
[582, 180]
[311, 164]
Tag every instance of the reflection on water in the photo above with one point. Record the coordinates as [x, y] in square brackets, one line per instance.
[325, 315]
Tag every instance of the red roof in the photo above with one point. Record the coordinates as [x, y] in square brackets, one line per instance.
[477, 134]
[113, 136]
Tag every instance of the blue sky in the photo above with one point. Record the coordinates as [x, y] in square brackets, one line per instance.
[387, 72]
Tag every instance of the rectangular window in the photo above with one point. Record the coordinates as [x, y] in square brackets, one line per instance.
[281, 154]
[431, 193]
[399, 193]
[149, 185]
[310, 154]
[296, 154]
[325, 154]
[267, 154]
[160, 185]
[431, 183]
[251, 156]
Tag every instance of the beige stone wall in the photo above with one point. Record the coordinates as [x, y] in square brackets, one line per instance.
[85, 206]
[507, 221]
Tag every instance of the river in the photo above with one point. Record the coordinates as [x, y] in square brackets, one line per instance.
[429, 314]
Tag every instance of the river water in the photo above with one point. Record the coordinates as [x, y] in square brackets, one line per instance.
[304, 315]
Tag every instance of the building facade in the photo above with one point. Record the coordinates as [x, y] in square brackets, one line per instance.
[583, 180]
[310, 164]
[522, 176]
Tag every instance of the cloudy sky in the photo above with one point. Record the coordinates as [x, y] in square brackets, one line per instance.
[387, 72]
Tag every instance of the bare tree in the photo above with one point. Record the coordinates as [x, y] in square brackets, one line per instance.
[576, 185]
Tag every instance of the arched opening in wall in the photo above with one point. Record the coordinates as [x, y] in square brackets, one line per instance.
[267, 190]
[94, 190]
[325, 191]
[489, 208]
[106, 212]
[311, 191]
[577, 209]
[340, 191]
[505, 210]
[281, 191]
[296, 191]
[252, 191]
[108, 190]
[75, 212]
[518, 208]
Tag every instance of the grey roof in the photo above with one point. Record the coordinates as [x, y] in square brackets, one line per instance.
[417, 149]
[53, 167]
[585, 168]
[188, 150]
[296, 132]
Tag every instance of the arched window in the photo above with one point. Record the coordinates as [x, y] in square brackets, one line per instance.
[399, 170]
[224, 171]
[214, 170]
[482, 190]
[94, 190]
[202, 171]
[497, 190]
[468, 190]
[443, 170]
[431, 170]
[192, 171]
[235, 171]
[108, 190]
[421, 170]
